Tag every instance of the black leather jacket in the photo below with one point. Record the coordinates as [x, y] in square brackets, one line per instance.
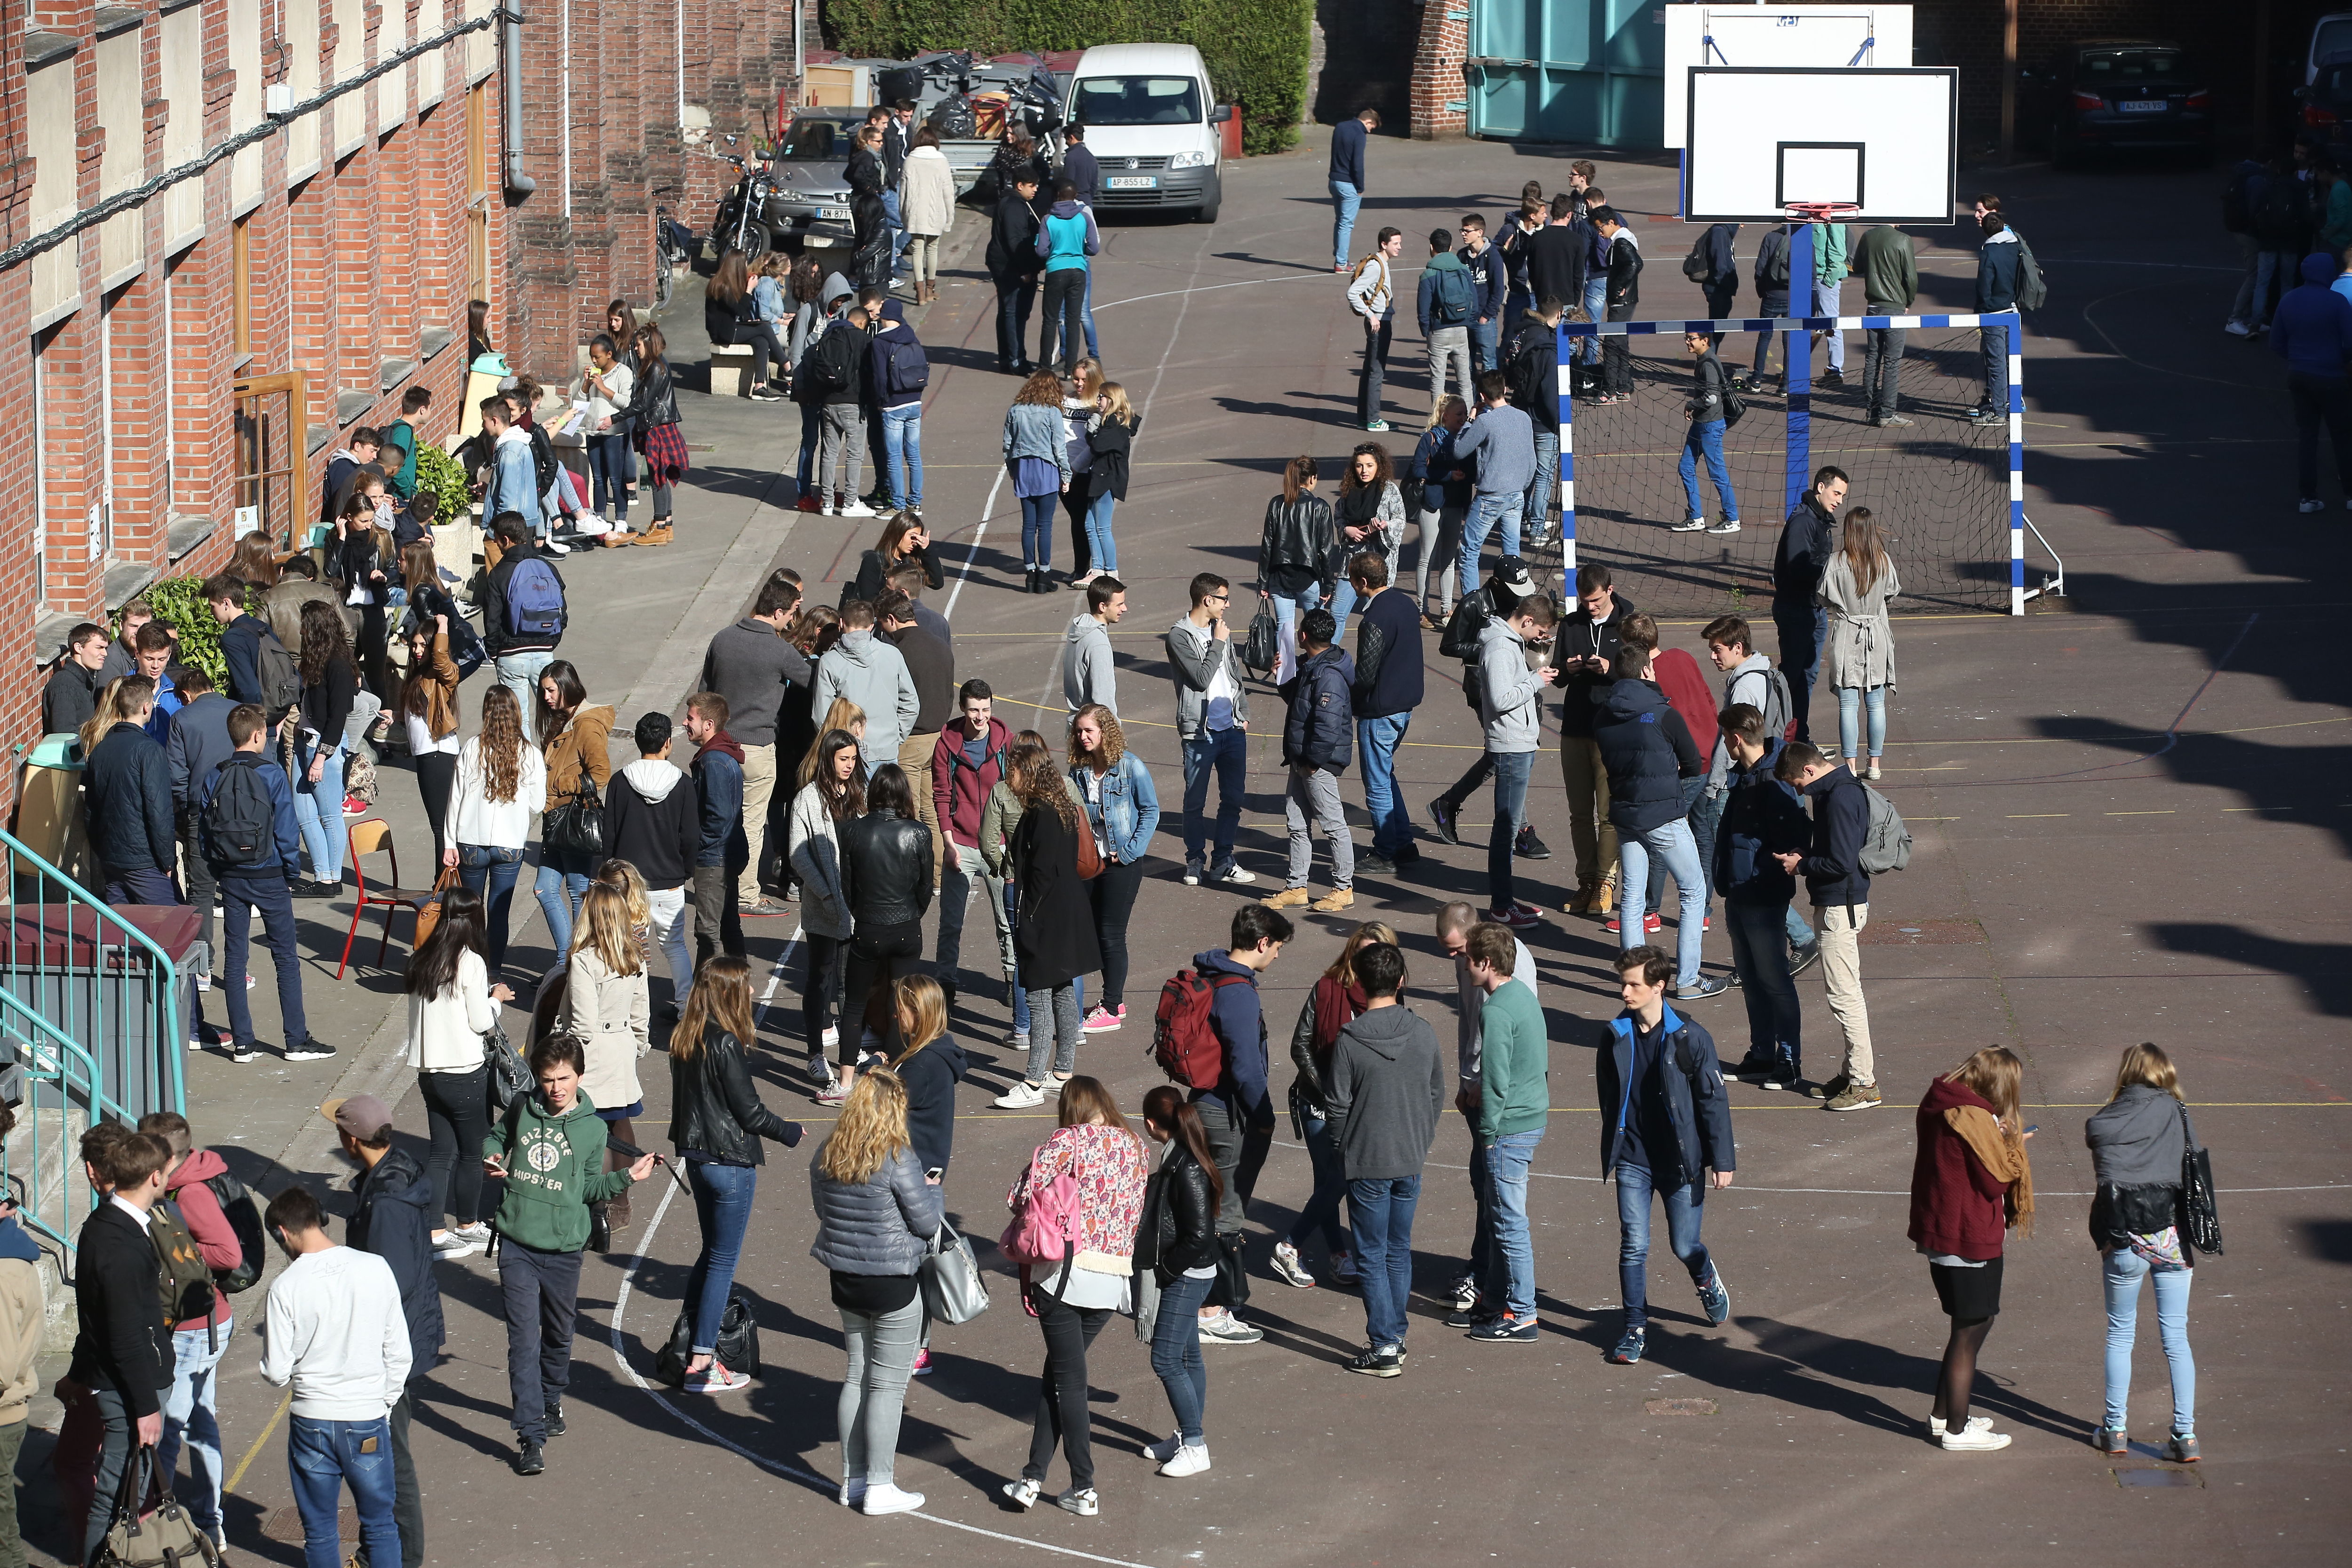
[714, 1108]
[886, 869]
[654, 400]
[1180, 1221]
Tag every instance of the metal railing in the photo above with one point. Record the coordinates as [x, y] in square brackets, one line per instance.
[90, 1013]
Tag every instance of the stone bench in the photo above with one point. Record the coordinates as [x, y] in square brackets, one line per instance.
[730, 371]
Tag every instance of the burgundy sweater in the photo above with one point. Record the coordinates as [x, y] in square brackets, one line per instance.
[1956, 1202]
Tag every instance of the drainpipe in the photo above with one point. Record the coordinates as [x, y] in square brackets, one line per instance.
[517, 181]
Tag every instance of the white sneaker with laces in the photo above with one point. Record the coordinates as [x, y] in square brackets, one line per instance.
[453, 1245]
[1289, 1269]
[889, 1499]
[1237, 877]
[856, 508]
[1159, 1453]
[1974, 1440]
[1022, 1493]
[1224, 1329]
[1086, 1504]
[1020, 1097]
[1188, 1460]
[717, 1380]
[1687, 525]
[2235, 328]
[1976, 1424]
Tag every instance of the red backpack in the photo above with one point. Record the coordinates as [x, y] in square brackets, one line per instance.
[1182, 1043]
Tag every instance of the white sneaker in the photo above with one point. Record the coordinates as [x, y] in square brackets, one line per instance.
[1976, 1424]
[852, 1493]
[856, 508]
[2236, 328]
[1687, 525]
[1975, 1440]
[889, 1499]
[479, 1231]
[1053, 1085]
[555, 547]
[1022, 1493]
[1728, 526]
[453, 1246]
[1287, 1266]
[1237, 877]
[1019, 1039]
[825, 507]
[1159, 1453]
[717, 1380]
[1085, 1504]
[1188, 1460]
[1224, 1329]
[1022, 1096]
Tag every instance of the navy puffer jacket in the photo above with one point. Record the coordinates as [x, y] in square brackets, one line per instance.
[1648, 752]
[1319, 731]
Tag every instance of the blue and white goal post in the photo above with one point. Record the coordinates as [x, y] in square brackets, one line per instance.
[1797, 360]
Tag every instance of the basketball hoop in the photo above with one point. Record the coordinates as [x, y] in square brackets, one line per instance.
[1823, 212]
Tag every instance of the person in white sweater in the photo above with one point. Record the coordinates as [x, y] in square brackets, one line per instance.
[335, 1330]
[451, 1005]
[501, 785]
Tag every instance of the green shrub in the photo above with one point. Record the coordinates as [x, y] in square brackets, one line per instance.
[437, 471]
[179, 604]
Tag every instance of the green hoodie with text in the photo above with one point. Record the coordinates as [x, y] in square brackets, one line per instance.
[556, 1169]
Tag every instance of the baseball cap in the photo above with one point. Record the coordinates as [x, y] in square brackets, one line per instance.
[360, 1115]
[1512, 573]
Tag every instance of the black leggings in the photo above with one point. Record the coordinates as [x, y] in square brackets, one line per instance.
[436, 774]
[375, 656]
[1957, 1380]
[879, 954]
[1113, 896]
[458, 1113]
[1062, 1411]
[1076, 503]
[821, 992]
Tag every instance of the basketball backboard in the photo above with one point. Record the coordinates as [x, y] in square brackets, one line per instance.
[1759, 139]
[1819, 36]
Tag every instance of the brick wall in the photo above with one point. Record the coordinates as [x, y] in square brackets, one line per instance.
[1437, 78]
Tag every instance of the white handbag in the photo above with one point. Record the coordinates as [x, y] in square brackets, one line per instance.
[954, 1291]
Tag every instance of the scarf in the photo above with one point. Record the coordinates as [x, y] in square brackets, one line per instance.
[2002, 1154]
[1360, 507]
[1334, 1006]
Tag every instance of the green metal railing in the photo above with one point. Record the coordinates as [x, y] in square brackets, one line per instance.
[89, 1009]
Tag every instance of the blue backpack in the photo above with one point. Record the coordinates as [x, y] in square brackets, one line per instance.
[907, 369]
[534, 600]
[1455, 296]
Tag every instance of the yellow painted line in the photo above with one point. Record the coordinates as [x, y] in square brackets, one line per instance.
[251, 1454]
[2140, 814]
[2030, 815]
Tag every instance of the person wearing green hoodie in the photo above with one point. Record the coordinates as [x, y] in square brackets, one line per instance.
[550, 1149]
[1890, 287]
[1448, 304]
[1829, 283]
[1513, 1104]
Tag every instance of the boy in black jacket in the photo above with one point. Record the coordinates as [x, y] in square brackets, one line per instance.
[653, 818]
[1317, 742]
[1841, 894]
[121, 1353]
[1012, 266]
[1624, 293]
[1386, 689]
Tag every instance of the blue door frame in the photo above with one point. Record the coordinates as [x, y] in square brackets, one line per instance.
[1590, 71]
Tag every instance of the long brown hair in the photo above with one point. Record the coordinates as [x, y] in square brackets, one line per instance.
[922, 1012]
[1086, 1100]
[1114, 740]
[1343, 968]
[1995, 1073]
[1295, 476]
[721, 995]
[1383, 468]
[419, 568]
[872, 1128]
[1164, 1108]
[1864, 547]
[653, 346]
[324, 638]
[500, 745]
[550, 721]
[254, 561]
[1040, 786]
[731, 282]
[1044, 388]
[815, 630]
[625, 338]
[604, 931]
[844, 798]
[894, 532]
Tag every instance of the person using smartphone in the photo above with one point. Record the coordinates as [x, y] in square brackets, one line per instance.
[1212, 722]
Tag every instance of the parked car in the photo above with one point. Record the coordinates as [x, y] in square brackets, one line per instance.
[2331, 40]
[2118, 93]
[810, 199]
[1151, 120]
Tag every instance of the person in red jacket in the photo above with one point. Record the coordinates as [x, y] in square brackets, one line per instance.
[1971, 1184]
[192, 1409]
[1684, 685]
[966, 763]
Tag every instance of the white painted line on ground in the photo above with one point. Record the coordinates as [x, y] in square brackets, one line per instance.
[988, 509]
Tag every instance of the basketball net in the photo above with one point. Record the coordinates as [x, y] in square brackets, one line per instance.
[1823, 212]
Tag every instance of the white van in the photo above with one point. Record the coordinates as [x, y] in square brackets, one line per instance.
[1152, 122]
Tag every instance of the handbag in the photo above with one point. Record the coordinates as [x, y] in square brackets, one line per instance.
[1262, 649]
[166, 1538]
[428, 914]
[576, 825]
[2200, 1214]
[738, 1347]
[1090, 861]
[509, 1074]
[954, 1291]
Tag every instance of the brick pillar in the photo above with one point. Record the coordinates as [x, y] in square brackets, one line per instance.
[1438, 81]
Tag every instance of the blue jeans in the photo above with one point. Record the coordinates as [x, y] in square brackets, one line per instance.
[241, 894]
[722, 1202]
[1826, 302]
[1101, 547]
[192, 1414]
[1379, 1210]
[1596, 309]
[1507, 1159]
[1511, 770]
[1686, 1207]
[1086, 315]
[812, 427]
[1703, 814]
[891, 212]
[519, 673]
[902, 443]
[1486, 1262]
[1486, 344]
[1345, 200]
[1487, 507]
[1544, 488]
[1673, 845]
[562, 883]
[321, 1456]
[1759, 952]
[1996, 367]
[1176, 1354]
[608, 466]
[493, 873]
[1288, 609]
[1707, 439]
[2123, 1271]
[1378, 739]
[1037, 529]
[1322, 1209]
[318, 813]
[1225, 754]
[1851, 701]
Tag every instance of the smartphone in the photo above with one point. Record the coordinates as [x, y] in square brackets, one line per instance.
[936, 1172]
[2035, 1128]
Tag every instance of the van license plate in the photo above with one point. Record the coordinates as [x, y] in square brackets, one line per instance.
[1133, 182]
[840, 213]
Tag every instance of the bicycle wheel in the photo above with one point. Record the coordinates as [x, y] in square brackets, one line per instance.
[663, 262]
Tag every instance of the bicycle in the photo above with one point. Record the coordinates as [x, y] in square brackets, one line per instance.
[669, 253]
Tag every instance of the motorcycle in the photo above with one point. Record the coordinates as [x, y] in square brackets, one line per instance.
[742, 222]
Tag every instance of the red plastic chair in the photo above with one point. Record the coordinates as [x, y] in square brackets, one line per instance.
[369, 837]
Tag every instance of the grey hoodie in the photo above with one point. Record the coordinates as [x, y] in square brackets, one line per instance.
[1508, 690]
[1198, 659]
[1386, 1088]
[872, 674]
[1088, 673]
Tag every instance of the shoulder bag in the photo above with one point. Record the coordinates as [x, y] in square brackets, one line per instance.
[510, 1075]
[166, 1538]
[575, 826]
[2201, 1216]
[428, 914]
[954, 1291]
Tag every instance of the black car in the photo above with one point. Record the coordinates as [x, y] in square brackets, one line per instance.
[2119, 93]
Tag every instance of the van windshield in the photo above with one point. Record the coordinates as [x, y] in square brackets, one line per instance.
[1139, 101]
[2332, 36]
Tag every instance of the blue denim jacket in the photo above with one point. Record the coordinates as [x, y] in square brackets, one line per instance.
[1129, 812]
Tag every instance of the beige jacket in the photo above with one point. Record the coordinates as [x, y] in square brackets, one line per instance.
[22, 1317]
[611, 1014]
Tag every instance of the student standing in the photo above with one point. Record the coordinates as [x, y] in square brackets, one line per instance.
[1336, 997]
[1860, 655]
[1490, 275]
[927, 199]
[127, 788]
[1012, 266]
[1067, 237]
[1510, 709]
[929, 1065]
[606, 1009]
[1623, 294]
[1346, 177]
[1386, 688]
[1753, 681]
[1649, 752]
[502, 783]
[549, 1149]
[1122, 811]
[1840, 890]
[1719, 280]
[752, 666]
[722, 852]
[2139, 1141]
[429, 706]
[1829, 288]
[122, 1352]
[1090, 674]
[931, 665]
[576, 742]
[1559, 254]
[872, 674]
[1666, 1129]
[1054, 940]
[1531, 370]
[451, 1005]
[1445, 493]
[653, 821]
[1110, 436]
[251, 846]
[1969, 1183]
[1297, 546]
[1317, 744]
[71, 693]
[2312, 331]
[835, 377]
[1480, 1288]
[1708, 405]
[1500, 439]
[22, 1318]
[2000, 272]
[1890, 287]
[886, 874]
[1771, 276]
[608, 385]
[832, 795]
[897, 370]
[1369, 516]
[1762, 817]
[1514, 1101]
[328, 685]
[1036, 455]
[967, 760]
[655, 429]
[1177, 1240]
[1798, 564]
[198, 743]
[523, 610]
[1446, 304]
[1212, 726]
[192, 1408]
[1238, 1113]
[1373, 296]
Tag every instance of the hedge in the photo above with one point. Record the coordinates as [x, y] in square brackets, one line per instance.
[1256, 52]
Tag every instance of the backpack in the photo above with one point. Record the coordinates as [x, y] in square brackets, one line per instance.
[1182, 1043]
[181, 1276]
[1772, 259]
[906, 371]
[2279, 213]
[1456, 298]
[821, 366]
[244, 1217]
[240, 819]
[1776, 718]
[2032, 290]
[1520, 371]
[281, 675]
[534, 600]
[1045, 1228]
[1695, 265]
[1887, 846]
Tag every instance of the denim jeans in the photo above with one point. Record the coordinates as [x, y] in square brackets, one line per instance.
[1087, 314]
[1020, 995]
[1176, 1355]
[241, 895]
[881, 1348]
[2123, 1270]
[1485, 1259]
[192, 1414]
[1322, 1210]
[608, 466]
[1064, 1419]
[1055, 1029]
[1376, 367]
[902, 448]
[1511, 771]
[1535, 517]
[1686, 1207]
[1345, 200]
[1102, 549]
[1703, 814]
[318, 813]
[1378, 739]
[1706, 439]
[1596, 308]
[1380, 1210]
[1804, 628]
[1486, 509]
[321, 1456]
[1486, 344]
[1759, 952]
[562, 883]
[519, 673]
[1037, 531]
[1996, 367]
[1826, 302]
[1852, 701]
[1224, 753]
[1882, 369]
[1673, 845]
[1507, 1159]
[722, 1202]
[1288, 609]
[493, 873]
[812, 427]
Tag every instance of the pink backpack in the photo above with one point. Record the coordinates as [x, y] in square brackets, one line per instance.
[1045, 1229]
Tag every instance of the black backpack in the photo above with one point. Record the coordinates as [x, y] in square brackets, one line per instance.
[244, 1217]
[1772, 259]
[1695, 265]
[1520, 372]
[281, 675]
[240, 820]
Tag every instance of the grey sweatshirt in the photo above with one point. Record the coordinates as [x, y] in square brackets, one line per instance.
[750, 666]
[1088, 673]
[1503, 441]
[2138, 1139]
[1508, 690]
[1386, 1088]
[1198, 660]
[872, 674]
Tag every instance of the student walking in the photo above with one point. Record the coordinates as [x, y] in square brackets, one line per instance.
[1237, 1114]
[874, 1214]
[1346, 177]
[1122, 811]
[1337, 997]
[1317, 744]
[832, 795]
[1840, 888]
[1387, 688]
[653, 822]
[1445, 488]
[1369, 516]
[1480, 1288]
[1387, 1089]
[967, 762]
[1514, 1101]
[451, 1005]
[1371, 295]
[1103, 1158]
[1668, 1134]
[1970, 1182]
[1212, 726]
[1177, 1240]
[501, 783]
[250, 844]
[1500, 440]
[1297, 546]
[1709, 406]
[2139, 1141]
[1510, 709]
[1067, 237]
[1860, 655]
[1054, 937]
[1037, 455]
[1890, 287]
[1446, 304]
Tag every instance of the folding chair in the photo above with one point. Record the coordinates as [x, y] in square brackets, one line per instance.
[369, 837]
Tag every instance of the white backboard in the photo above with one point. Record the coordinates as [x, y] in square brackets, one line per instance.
[1817, 36]
[1759, 138]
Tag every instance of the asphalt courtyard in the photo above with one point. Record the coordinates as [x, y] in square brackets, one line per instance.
[2128, 809]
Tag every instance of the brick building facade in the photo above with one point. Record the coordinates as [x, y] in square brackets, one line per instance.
[229, 231]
